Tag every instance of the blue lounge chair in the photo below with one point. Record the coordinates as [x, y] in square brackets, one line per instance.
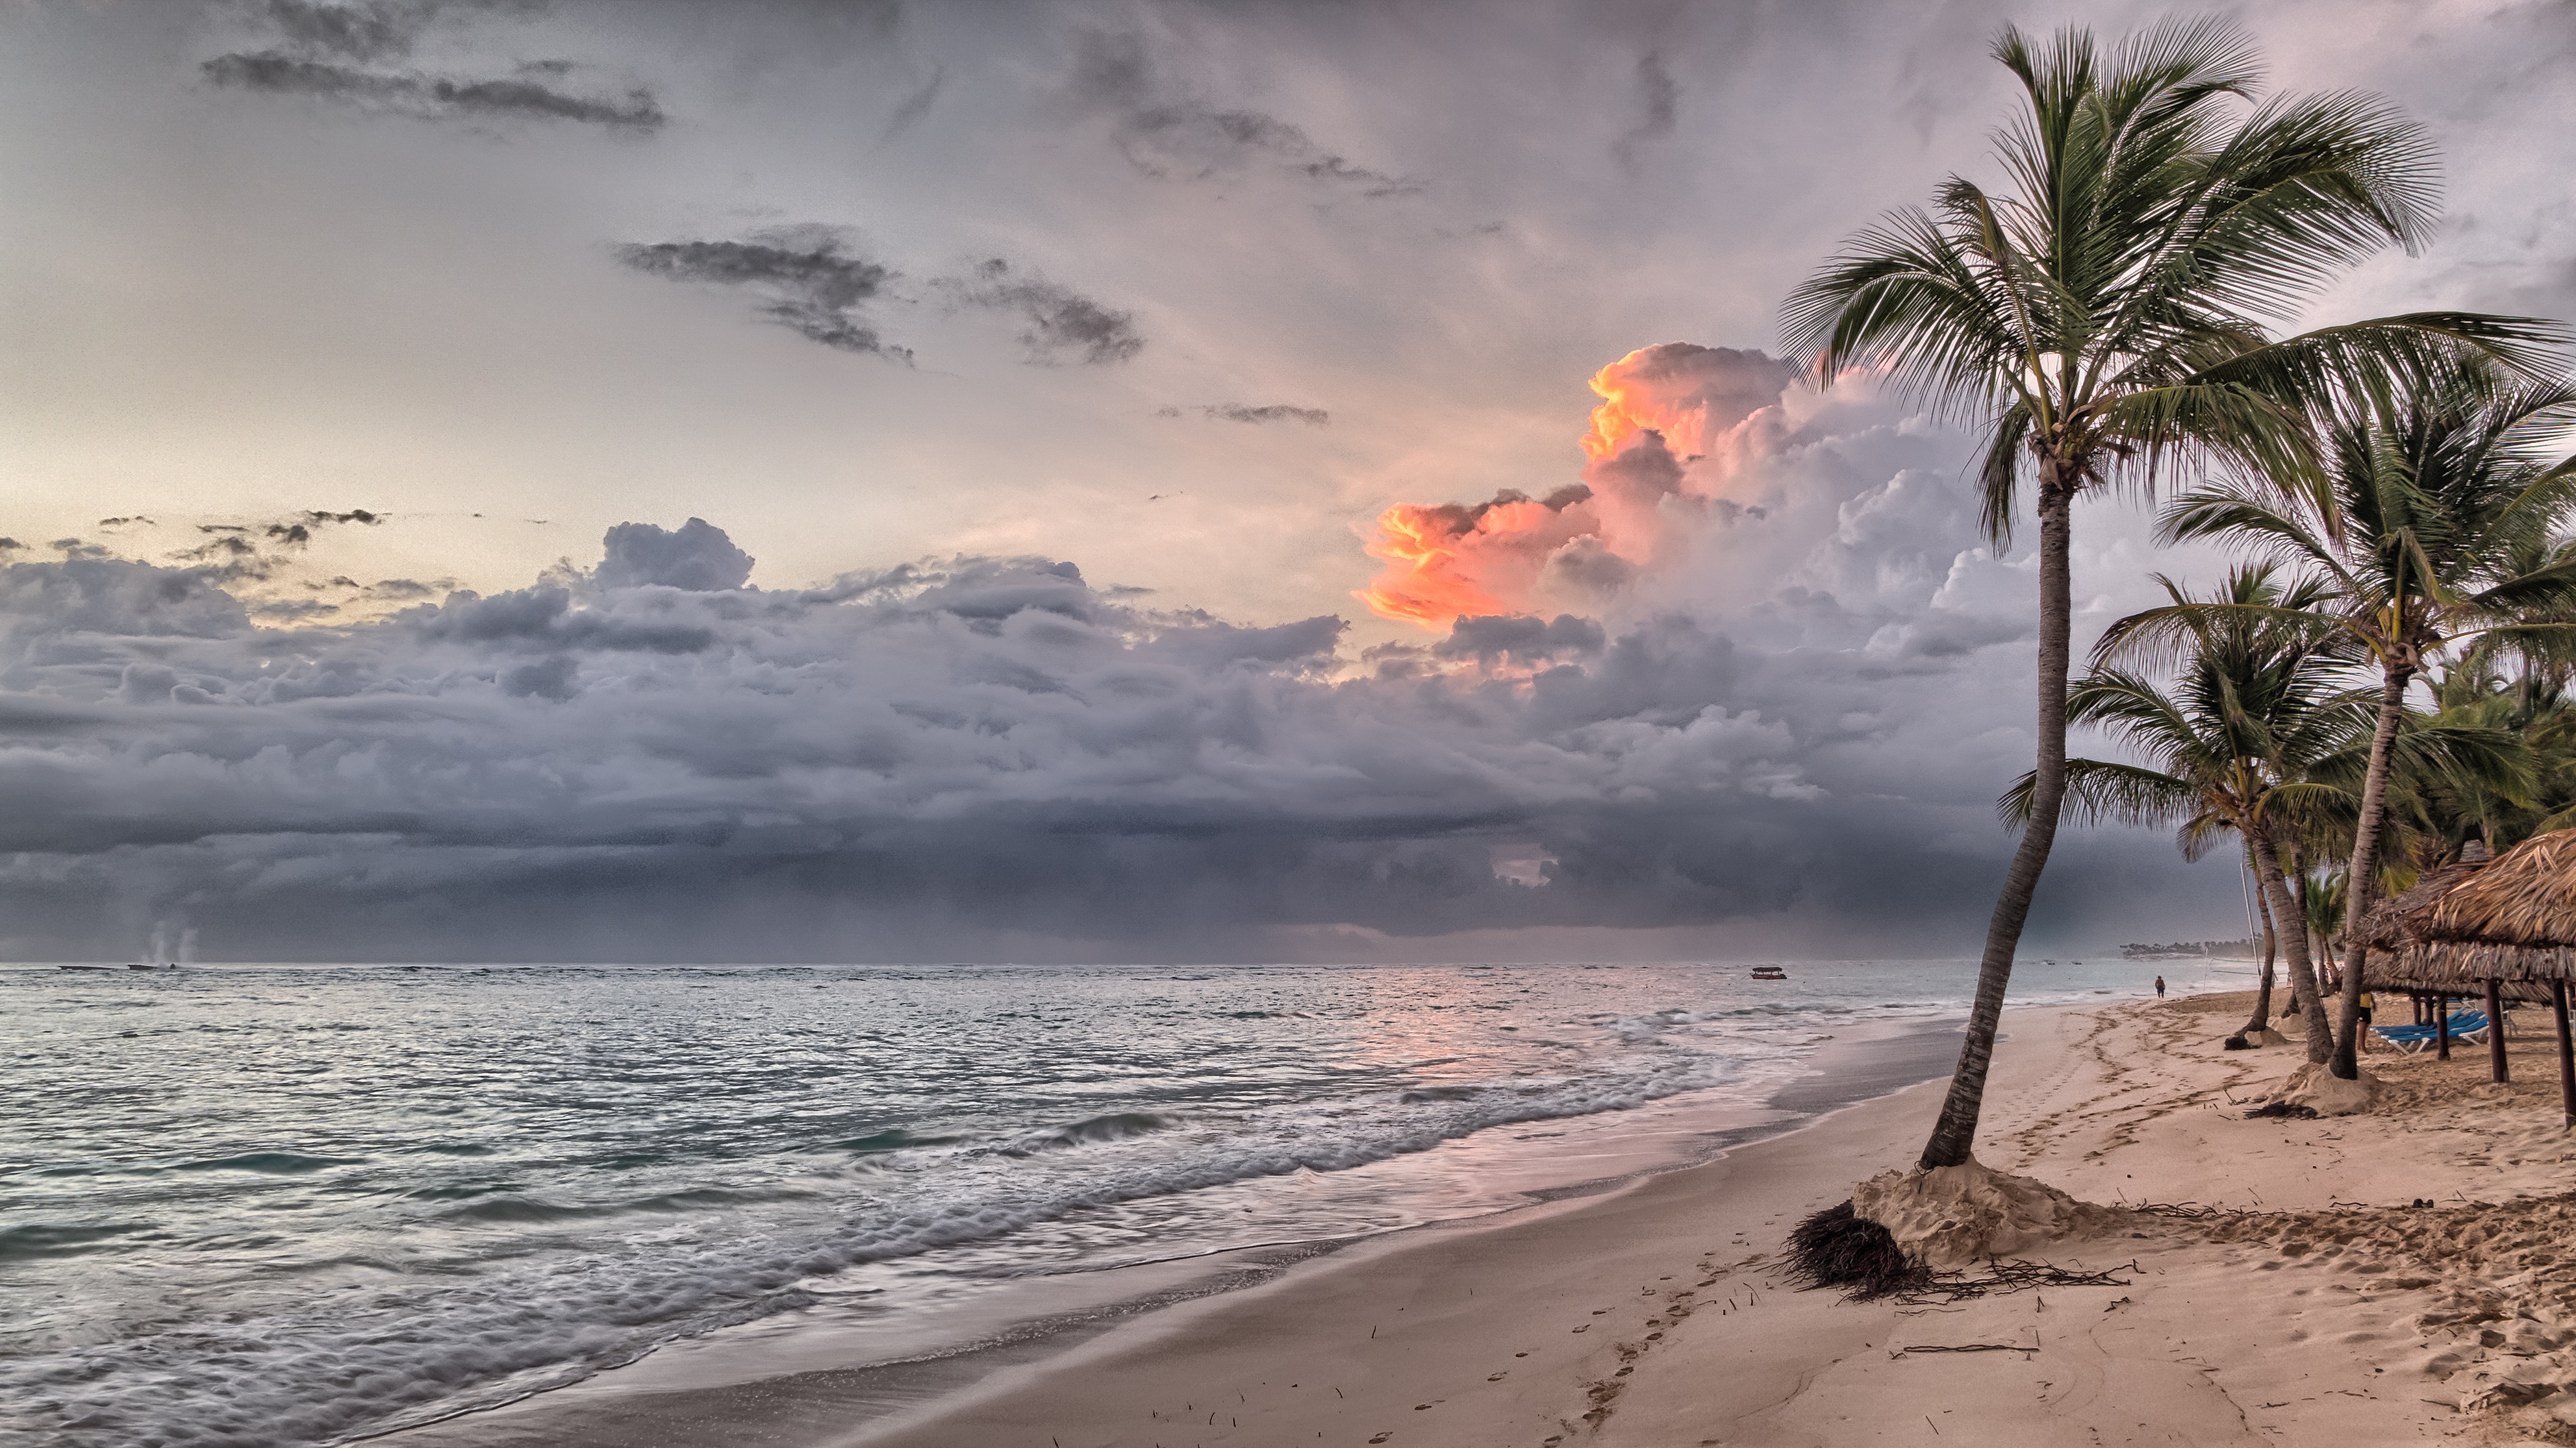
[2469, 1027]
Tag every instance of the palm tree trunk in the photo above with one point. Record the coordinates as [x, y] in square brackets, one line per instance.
[1955, 1133]
[2361, 880]
[2262, 1017]
[2303, 975]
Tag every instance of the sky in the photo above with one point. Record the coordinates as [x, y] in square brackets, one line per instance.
[875, 480]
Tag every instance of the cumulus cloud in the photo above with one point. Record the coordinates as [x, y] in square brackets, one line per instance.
[1685, 437]
[1058, 323]
[654, 759]
[697, 557]
[806, 279]
[970, 740]
[1167, 133]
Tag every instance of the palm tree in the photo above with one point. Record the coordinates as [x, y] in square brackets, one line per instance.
[2530, 702]
[2256, 708]
[2104, 317]
[2434, 519]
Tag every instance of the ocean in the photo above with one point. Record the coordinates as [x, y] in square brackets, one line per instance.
[278, 1205]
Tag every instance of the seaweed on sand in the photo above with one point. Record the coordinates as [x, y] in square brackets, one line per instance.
[1836, 1248]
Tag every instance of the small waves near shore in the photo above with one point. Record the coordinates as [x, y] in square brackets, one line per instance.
[295, 1205]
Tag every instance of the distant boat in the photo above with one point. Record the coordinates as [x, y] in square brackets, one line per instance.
[1769, 972]
[84, 967]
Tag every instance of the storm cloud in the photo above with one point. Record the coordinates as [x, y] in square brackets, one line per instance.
[653, 758]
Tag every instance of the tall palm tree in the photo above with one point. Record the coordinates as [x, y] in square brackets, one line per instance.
[2435, 519]
[2255, 709]
[2105, 316]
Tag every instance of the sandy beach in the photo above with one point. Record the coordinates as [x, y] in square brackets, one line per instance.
[2306, 1302]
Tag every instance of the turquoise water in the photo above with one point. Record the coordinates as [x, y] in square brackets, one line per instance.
[283, 1205]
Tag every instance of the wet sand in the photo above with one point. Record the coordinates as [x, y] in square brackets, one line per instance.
[773, 1392]
[2304, 1301]
[1649, 1317]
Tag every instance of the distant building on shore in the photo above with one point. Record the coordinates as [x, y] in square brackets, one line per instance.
[2195, 950]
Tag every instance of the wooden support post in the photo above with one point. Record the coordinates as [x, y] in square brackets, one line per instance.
[2442, 1027]
[2566, 1050]
[2495, 1034]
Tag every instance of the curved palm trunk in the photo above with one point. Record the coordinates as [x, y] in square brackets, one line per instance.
[2361, 881]
[2262, 1017]
[2302, 972]
[1956, 1131]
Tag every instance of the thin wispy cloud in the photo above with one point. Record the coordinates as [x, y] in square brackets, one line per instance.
[1658, 106]
[1264, 413]
[1168, 133]
[1058, 324]
[350, 53]
[806, 281]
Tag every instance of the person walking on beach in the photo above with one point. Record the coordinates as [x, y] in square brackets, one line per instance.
[2160, 987]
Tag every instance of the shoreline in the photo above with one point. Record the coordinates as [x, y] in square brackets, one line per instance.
[2312, 1304]
[648, 1403]
[2303, 1300]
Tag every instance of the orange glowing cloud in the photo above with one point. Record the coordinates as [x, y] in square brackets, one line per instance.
[1686, 394]
[1662, 408]
[1449, 560]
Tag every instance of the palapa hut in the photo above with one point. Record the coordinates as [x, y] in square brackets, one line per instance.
[2497, 928]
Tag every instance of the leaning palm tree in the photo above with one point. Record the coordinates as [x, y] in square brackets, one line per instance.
[2256, 708]
[2104, 317]
[2436, 520]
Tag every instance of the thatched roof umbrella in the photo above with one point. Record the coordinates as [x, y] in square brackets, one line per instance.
[2509, 922]
[2407, 955]
[2395, 930]
[2397, 922]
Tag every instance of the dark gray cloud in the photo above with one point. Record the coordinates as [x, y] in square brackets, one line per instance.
[807, 278]
[506, 98]
[654, 760]
[256, 552]
[1058, 323]
[697, 557]
[1521, 638]
[348, 52]
[1167, 133]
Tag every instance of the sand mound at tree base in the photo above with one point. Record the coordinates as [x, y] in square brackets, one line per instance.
[2321, 1091]
[1953, 1216]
